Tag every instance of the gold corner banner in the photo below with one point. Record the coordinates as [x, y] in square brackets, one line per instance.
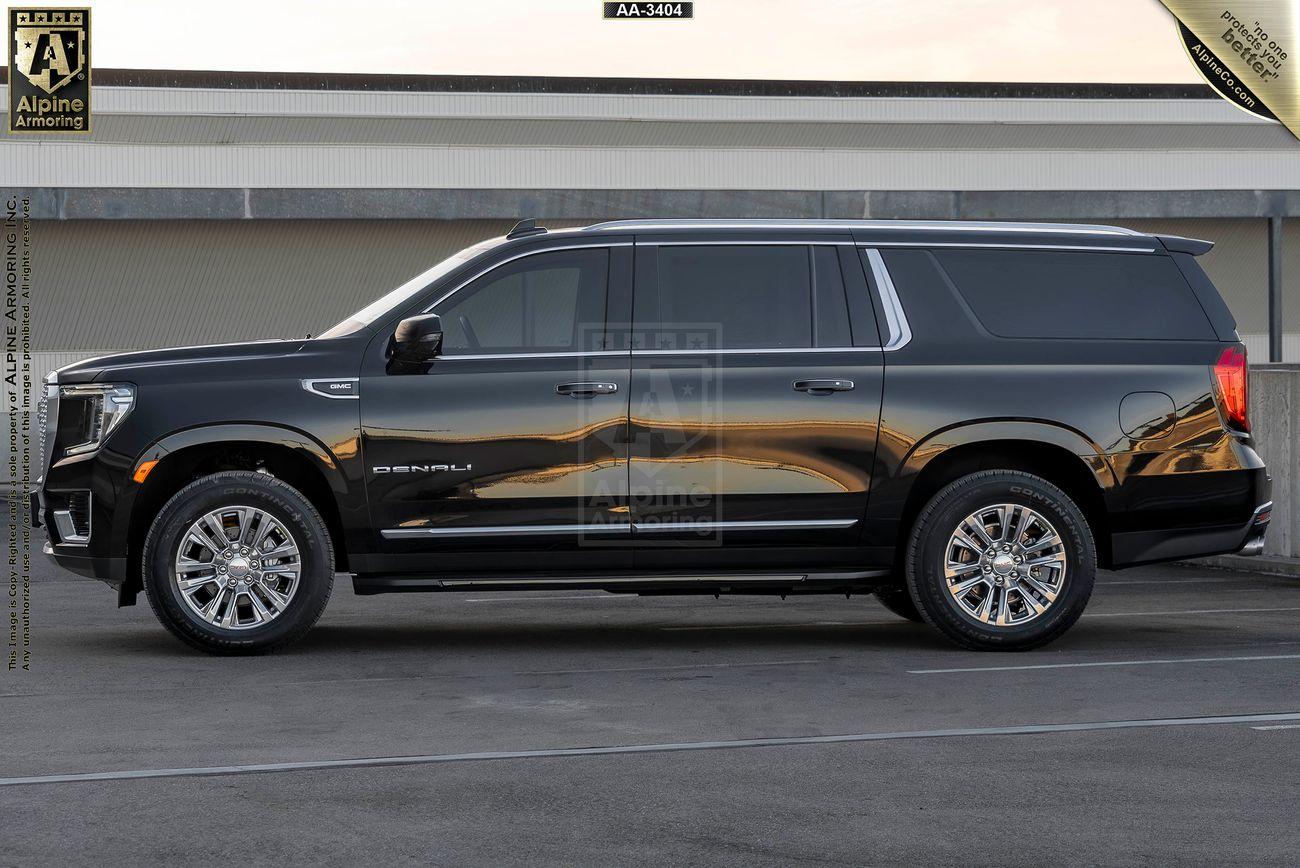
[1246, 50]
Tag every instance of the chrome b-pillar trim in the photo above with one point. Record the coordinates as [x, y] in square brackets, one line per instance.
[900, 333]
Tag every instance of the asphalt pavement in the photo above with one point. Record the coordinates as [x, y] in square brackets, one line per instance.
[583, 728]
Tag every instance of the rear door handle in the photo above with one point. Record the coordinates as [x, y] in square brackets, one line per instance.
[823, 387]
[586, 390]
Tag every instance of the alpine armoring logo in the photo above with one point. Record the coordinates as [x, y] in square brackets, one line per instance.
[49, 70]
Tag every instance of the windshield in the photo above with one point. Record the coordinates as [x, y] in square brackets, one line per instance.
[404, 293]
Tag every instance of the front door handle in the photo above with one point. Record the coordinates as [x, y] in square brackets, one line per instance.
[586, 390]
[823, 387]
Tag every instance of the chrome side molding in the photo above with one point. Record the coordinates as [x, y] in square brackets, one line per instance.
[624, 528]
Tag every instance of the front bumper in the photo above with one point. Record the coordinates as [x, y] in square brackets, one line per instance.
[76, 558]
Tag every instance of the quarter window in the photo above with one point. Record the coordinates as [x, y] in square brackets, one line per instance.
[1040, 294]
[548, 302]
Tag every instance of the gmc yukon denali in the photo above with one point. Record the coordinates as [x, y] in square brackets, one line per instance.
[965, 420]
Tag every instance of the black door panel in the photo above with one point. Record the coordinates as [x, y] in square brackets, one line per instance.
[753, 415]
[509, 451]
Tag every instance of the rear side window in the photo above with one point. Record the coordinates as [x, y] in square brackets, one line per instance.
[752, 296]
[1051, 294]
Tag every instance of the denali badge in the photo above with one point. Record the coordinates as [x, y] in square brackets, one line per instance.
[421, 468]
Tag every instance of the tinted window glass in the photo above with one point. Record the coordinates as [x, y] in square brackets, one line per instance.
[1040, 294]
[549, 302]
[740, 296]
[830, 306]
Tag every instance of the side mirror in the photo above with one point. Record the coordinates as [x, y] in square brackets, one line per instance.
[417, 339]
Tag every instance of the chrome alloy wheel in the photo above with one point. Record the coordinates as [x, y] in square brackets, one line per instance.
[1005, 564]
[237, 567]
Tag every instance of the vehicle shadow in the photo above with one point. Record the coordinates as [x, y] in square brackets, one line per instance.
[570, 637]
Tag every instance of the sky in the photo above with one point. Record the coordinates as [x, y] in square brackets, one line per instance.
[860, 40]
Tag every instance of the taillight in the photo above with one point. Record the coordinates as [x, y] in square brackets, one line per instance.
[1230, 376]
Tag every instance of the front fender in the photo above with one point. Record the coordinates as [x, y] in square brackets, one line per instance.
[317, 454]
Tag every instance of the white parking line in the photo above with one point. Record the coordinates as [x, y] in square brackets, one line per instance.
[776, 626]
[866, 622]
[382, 679]
[1157, 662]
[614, 750]
[1175, 581]
[1187, 612]
[1278, 726]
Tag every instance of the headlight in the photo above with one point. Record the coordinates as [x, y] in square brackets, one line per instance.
[95, 411]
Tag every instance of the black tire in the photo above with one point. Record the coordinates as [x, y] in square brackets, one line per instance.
[899, 601]
[937, 521]
[283, 503]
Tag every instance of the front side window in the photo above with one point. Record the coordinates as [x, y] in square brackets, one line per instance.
[745, 296]
[547, 302]
[407, 291]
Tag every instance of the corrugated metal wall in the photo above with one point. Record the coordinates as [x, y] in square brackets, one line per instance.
[103, 285]
[144, 284]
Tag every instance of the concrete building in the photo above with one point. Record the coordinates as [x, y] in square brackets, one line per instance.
[212, 206]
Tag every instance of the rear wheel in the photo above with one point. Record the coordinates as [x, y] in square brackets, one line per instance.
[1001, 560]
[238, 563]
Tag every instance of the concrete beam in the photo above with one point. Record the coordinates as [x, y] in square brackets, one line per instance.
[1275, 289]
[165, 203]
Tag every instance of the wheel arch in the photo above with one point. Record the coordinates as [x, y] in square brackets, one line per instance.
[286, 454]
[1060, 455]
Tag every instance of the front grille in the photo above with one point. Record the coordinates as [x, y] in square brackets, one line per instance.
[42, 415]
[47, 423]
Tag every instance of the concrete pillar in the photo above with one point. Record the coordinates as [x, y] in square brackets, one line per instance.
[1275, 289]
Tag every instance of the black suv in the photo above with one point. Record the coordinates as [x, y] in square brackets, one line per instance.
[964, 419]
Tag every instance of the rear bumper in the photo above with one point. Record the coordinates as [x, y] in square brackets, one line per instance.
[1258, 530]
[1149, 547]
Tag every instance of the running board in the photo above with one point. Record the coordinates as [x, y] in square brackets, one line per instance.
[387, 584]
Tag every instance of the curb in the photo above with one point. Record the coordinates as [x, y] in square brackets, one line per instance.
[1271, 565]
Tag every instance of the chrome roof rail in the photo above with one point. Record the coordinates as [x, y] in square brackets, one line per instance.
[934, 225]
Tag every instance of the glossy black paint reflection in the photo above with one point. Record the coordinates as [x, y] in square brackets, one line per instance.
[697, 436]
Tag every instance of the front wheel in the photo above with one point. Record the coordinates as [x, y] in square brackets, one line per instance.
[1001, 560]
[238, 563]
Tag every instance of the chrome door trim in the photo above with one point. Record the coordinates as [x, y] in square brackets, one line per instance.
[676, 526]
[639, 527]
[900, 333]
[755, 351]
[533, 252]
[504, 530]
[560, 355]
